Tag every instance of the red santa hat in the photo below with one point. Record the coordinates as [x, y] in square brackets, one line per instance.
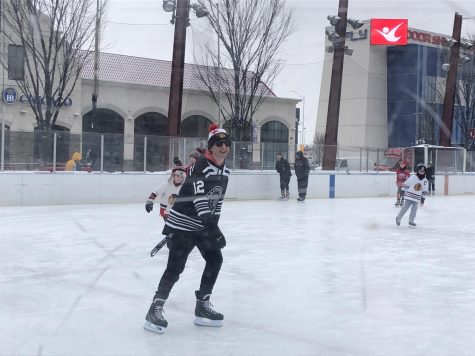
[216, 134]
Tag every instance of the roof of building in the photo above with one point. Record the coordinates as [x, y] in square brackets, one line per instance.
[142, 71]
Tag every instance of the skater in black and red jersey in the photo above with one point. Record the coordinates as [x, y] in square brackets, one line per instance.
[402, 174]
[193, 221]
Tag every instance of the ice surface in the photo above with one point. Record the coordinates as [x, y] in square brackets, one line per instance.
[327, 277]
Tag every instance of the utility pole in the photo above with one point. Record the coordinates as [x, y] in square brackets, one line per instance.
[2, 108]
[451, 85]
[331, 132]
[178, 65]
[218, 14]
[95, 92]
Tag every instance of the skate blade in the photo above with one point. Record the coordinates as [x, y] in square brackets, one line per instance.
[208, 322]
[153, 328]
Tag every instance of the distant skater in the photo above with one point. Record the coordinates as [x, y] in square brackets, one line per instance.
[302, 171]
[282, 167]
[430, 175]
[415, 189]
[402, 174]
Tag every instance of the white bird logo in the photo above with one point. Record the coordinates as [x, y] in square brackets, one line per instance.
[389, 34]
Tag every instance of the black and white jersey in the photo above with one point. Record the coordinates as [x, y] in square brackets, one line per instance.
[201, 197]
[415, 188]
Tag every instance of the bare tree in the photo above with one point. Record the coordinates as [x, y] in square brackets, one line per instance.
[251, 32]
[56, 37]
[465, 102]
[464, 108]
[318, 147]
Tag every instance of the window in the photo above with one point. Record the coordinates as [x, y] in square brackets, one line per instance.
[16, 62]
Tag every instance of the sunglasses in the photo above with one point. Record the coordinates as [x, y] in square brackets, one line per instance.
[220, 143]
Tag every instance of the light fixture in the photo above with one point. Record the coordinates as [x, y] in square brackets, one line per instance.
[169, 5]
[332, 35]
[466, 44]
[464, 59]
[451, 42]
[446, 67]
[333, 19]
[356, 24]
[200, 10]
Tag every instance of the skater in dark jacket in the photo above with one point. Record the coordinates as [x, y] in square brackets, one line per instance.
[282, 167]
[302, 170]
[193, 222]
[430, 175]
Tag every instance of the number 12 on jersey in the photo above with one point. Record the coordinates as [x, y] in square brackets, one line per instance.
[199, 187]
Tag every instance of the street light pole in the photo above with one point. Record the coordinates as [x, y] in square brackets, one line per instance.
[331, 132]
[303, 115]
[178, 65]
[450, 85]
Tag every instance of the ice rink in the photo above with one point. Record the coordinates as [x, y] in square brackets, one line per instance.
[327, 277]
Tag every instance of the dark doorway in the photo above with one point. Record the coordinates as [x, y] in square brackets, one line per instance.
[153, 126]
[110, 124]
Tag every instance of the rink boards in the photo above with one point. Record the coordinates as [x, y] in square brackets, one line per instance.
[44, 188]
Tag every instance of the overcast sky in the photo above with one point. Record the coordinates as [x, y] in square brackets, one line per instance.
[141, 28]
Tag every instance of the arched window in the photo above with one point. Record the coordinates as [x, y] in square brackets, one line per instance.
[111, 125]
[195, 126]
[274, 139]
[151, 123]
[103, 121]
[153, 126]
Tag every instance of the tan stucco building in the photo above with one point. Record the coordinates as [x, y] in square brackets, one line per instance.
[134, 92]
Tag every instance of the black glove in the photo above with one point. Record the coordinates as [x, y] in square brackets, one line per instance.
[213, 238]
[149, 206]
[219, 237]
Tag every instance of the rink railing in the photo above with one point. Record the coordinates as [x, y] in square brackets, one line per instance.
[43, 188]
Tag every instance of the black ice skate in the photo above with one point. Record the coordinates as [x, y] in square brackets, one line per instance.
[398, 221]
[413, 224]
[398, 203]
[204, 312]
[300, 199]
[154, 320]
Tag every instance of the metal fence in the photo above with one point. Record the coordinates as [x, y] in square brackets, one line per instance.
[50, 150]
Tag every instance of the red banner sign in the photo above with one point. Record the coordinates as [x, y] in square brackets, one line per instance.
[389, 31]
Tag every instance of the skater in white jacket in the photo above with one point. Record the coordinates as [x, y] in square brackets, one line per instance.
[167, 192]
[415, 190]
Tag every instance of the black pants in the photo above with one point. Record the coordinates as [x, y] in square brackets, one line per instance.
[284, 183]
[302, 184]
[431, 185]
[180, 247]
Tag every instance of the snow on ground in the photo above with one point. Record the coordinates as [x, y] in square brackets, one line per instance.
[327, 277]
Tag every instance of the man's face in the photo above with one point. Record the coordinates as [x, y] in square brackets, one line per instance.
[220, 149]
[279, 157]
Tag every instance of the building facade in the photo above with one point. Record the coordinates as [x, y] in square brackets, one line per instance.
[129, 126]
[392, 96]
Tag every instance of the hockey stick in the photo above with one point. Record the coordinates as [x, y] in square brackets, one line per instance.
[161, 244]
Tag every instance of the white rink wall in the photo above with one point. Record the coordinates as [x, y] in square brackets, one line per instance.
[64, 188]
